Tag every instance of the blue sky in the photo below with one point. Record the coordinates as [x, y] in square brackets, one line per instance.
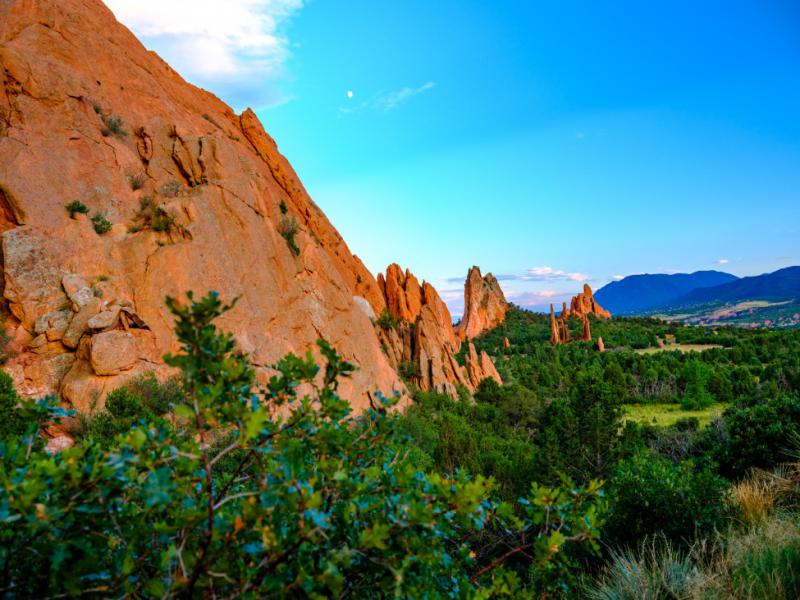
[551, 143]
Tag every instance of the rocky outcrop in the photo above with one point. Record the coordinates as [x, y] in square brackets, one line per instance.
[559, 327]
[87, 114]
[584, 304]
[402, 292]
[422, 344]
[485, 305]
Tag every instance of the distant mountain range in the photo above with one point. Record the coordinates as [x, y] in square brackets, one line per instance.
[642, 294]
[780, 285]
[638, 294]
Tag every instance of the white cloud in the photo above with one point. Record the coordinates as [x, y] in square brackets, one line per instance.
[235, 48]
[618, 277]
[550, 274]
[722, 261]
[387, 101]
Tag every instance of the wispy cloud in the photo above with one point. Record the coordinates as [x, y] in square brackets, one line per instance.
[387, 101]
[392, 100]
[236, 49]
[537, 274]
[618, 277]
[545, 274]
[721, 261]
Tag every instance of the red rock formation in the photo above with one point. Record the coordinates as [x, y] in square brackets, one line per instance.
[485, 305]
[402, 292]
[85, 110]
[555, 328]
[600, 345]
[584, 304]
[424, 345]
[587, 331]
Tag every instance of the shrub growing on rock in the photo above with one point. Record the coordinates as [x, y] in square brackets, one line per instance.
[75, 207]
[288, 229]
[137, 181]
[153, 216]
[113, 125]
[101, 224]
[171, 188]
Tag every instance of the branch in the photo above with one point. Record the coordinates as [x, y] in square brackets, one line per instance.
[498, 561]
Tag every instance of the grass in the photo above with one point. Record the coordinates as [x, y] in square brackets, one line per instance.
[761, 562]
[679, 348]
[137, 181]
[655, 571]
[665, 415]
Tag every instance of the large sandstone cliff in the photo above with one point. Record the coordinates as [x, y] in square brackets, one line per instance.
[485, 305]
[198, 198]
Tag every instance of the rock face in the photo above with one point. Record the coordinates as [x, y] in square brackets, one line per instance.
[423, 345]
[584, 304]
[485, 305]
[87, 114]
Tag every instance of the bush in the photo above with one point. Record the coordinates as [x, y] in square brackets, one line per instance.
[759, 435]
[113, 125]
[153, 216]
[288, 229]
[171, 188]
[144, 399]
[408, 371]
[101, 224]
[9, 419]
[75, 207]
[649, 495]
[387, 320]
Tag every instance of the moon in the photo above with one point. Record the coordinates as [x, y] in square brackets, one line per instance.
[349, 93]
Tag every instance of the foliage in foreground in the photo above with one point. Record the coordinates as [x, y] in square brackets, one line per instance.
[267, 493]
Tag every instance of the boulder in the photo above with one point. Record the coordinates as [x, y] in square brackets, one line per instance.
[80, 323]
[58, 443]
[113, 352]
[105, 319]
[53, 324]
